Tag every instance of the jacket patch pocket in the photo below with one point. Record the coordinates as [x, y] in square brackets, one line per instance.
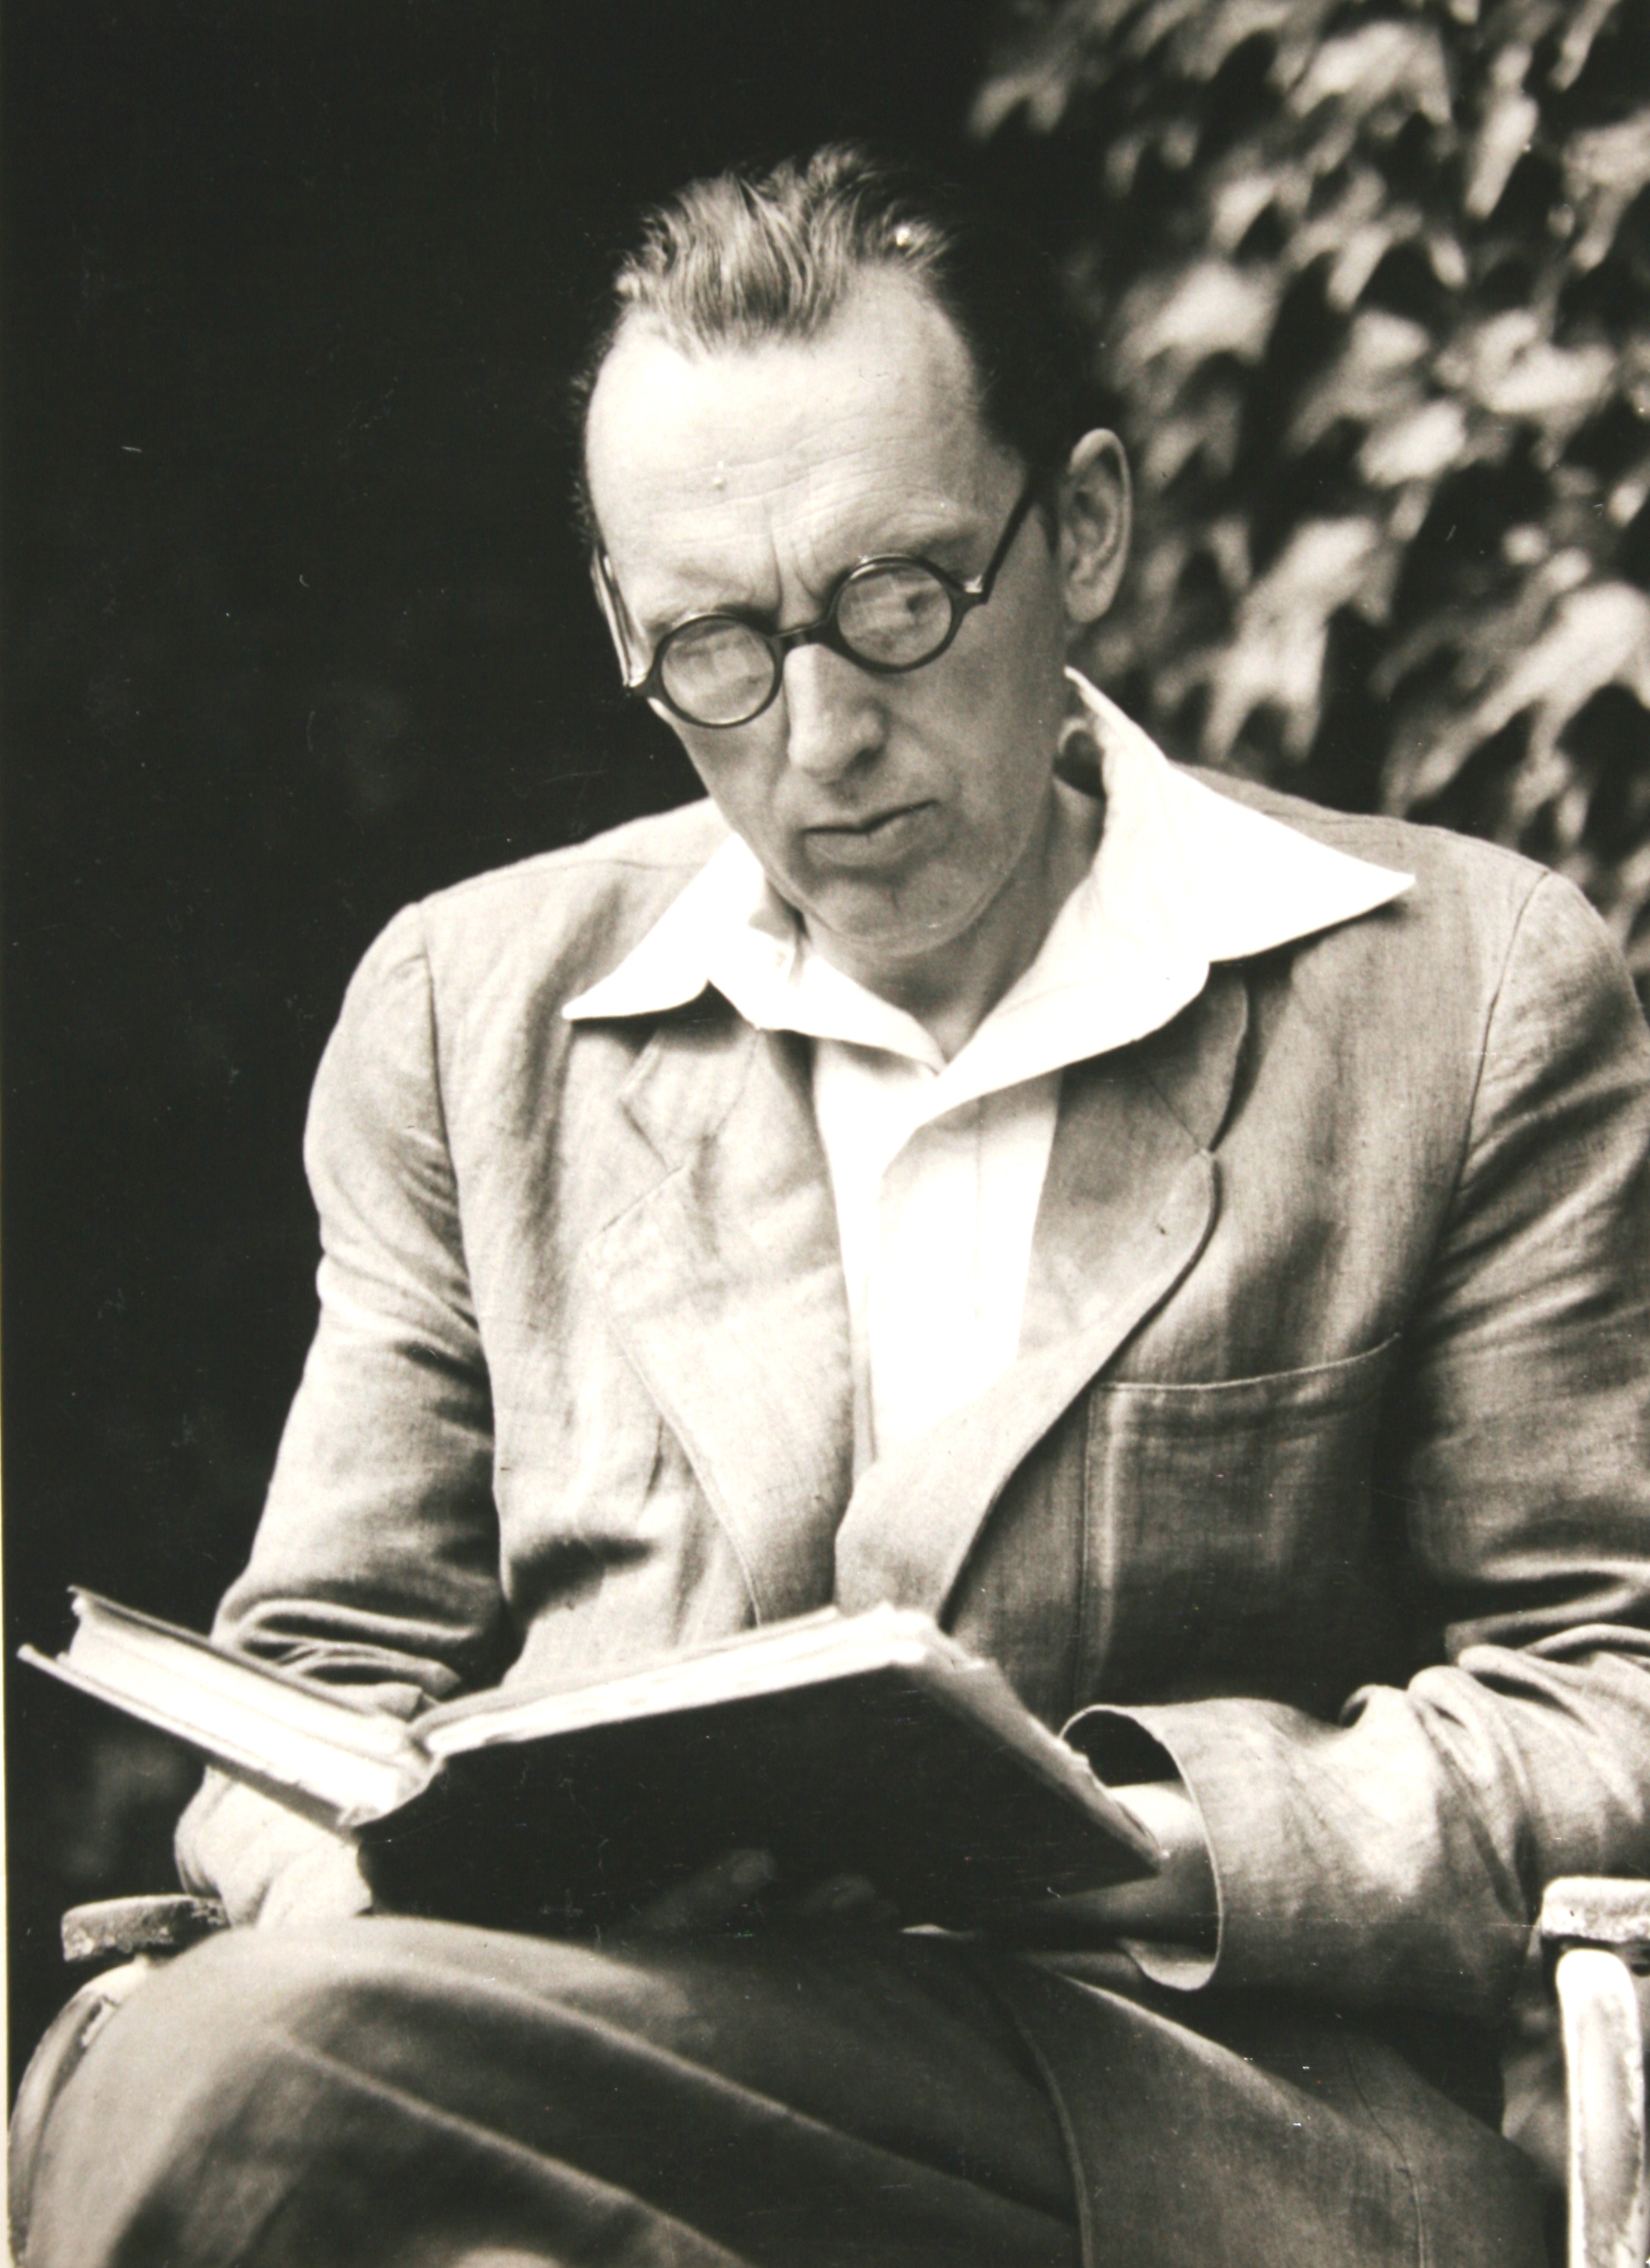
[1229, 1542]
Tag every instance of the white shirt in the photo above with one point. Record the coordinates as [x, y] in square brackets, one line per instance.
[937, 1169]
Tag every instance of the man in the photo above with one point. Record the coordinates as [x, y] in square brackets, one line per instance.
[1193, 1244]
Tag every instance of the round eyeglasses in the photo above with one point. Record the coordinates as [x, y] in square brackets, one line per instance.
[888, 615]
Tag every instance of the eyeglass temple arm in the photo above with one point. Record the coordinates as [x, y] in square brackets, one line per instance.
[616, 615]
[980, 588]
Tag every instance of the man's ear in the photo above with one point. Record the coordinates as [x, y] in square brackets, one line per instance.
[1095, 517]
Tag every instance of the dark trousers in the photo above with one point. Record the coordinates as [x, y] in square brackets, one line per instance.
[411, 2095]
[392, 2094]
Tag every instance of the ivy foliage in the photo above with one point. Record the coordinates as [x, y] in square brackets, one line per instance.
[1369, 282]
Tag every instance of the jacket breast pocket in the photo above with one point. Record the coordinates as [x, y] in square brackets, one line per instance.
[1230, 1544]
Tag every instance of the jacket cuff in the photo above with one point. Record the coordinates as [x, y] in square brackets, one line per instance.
[1342, 1868]
[1124, 1751]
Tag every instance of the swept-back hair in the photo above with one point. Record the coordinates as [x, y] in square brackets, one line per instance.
[741, 258]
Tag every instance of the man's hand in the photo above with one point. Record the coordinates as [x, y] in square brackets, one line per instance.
[267, 1865]
[1177, 1905]
[322, 1883]
[725, 1892]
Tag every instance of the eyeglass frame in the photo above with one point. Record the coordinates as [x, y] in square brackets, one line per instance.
[965, 594]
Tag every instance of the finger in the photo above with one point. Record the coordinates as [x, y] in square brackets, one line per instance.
[842, 1897]
[1160, 1907]
[712, 1898]
[850, 1901]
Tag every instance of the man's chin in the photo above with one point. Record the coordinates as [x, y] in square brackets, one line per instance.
[879, 938]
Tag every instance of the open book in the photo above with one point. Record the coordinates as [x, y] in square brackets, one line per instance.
[869, 1743]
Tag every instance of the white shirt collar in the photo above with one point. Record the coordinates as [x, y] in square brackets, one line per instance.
[1183, 877]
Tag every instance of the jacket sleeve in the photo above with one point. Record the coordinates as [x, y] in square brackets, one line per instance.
[1399, 1855]
[376, 1561]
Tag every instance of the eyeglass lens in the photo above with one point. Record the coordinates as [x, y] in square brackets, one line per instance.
[721, 671]
[718, 672]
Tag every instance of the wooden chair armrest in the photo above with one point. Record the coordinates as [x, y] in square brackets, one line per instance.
[126, 1927]
[1599, 1933]
[1594, 1910]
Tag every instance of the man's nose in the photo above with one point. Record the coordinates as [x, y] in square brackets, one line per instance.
[834, 714]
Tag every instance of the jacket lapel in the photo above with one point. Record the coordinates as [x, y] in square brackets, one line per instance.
[723, 1283]
[1127, 1206]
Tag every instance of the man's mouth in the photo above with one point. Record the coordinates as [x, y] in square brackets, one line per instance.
[863, 840]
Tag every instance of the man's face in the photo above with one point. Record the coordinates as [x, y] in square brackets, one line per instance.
[892, 812]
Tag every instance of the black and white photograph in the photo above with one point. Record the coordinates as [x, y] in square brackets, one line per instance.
[826, 1181]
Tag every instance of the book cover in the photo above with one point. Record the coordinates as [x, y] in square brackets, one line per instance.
[870, 1743]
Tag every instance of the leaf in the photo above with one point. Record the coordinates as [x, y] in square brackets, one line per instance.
[1629, 493]
[1042, 87]
[1481, 353]
[1555, 387]
[1276, 659]
[1294, 24]
[1208, 308]
[1041, 79]
[1450, 262]
[1603, 171]
[1157, 22]
[1528, 21]
[1362, 254]
[1072, 45]
[1227, 543]
[1377, 374]
[1211, 433]
[1359, 203]
[1480, 633]
[1597, 636]
[1358, 230]
[1384, 64]
[1507, 129]
[1421, 445]
[1625, 904]
[1584, 28]
[1509, 367]
[1239, 202]
[1635, 372]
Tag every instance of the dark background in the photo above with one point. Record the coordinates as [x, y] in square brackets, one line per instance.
[295, 630]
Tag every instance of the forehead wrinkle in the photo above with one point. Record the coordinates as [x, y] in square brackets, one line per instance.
[769, 528]
[795, 536]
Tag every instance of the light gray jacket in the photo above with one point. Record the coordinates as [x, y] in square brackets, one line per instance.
[1324, 1459]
